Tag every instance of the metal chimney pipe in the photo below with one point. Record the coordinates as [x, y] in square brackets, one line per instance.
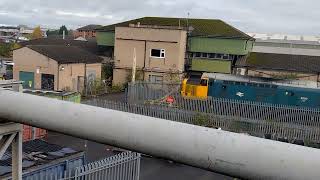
[215, 150]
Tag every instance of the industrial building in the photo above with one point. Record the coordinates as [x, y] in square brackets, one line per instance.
[55, 67]
[167, 47]
[282, 56]
[88, 31]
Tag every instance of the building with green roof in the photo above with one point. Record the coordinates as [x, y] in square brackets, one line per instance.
[212, 45]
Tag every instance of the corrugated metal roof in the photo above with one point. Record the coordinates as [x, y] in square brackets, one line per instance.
[261, 80]
[285, 62]
[201, 27]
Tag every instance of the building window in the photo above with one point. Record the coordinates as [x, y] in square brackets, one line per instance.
[204, 55]
[197, 55]
[212, 55]
[158, 53]
[219, 56]
[155, 79]
[225, 56]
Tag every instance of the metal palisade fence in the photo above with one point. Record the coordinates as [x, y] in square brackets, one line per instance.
[124, 166]
[253, 126]
[148, 93]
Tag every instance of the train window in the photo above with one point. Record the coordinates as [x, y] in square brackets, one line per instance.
[238, 83]
[204, 82]
[210, 83]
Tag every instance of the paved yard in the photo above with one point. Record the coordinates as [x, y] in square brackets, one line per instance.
[151, 168]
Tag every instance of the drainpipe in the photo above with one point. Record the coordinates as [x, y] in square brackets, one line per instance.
[85, 79]
[58, 77]
[144, 60]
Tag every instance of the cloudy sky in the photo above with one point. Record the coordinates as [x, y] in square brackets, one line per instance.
[265, 16]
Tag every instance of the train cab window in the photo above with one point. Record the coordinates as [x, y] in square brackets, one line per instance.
[204, 82]
[211, 83]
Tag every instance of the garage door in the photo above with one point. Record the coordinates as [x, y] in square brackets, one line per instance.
[27, 78]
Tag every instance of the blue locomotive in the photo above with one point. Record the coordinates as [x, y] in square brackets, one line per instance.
[267, 90]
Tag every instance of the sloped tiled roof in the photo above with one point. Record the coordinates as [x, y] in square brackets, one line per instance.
[90, 27]
[66, 54]
[285, 62]
[90, 45]
[201, 27]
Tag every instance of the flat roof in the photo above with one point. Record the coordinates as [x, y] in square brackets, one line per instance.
[260, 80]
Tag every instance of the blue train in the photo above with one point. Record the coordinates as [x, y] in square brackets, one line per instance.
[267, 90]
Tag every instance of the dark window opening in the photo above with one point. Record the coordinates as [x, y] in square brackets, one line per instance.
[204, 55]
[47, 82]
[158, 53]
[204, 82]
[197, 54]
[212, 55]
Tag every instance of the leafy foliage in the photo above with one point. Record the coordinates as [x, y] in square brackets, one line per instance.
[36, 34]
[201, 120]
[107, 71]
[63, 28]
[52, 32]
[6, 49]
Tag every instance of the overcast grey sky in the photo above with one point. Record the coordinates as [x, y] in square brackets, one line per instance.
[270, 16]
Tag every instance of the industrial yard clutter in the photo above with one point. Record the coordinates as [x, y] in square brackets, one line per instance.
[42, 159]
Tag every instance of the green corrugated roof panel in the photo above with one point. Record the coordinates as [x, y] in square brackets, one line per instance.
[202, 27]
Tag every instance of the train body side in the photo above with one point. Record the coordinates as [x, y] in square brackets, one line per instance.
[263, 92]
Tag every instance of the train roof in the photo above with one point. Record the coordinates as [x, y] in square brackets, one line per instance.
[280, 82]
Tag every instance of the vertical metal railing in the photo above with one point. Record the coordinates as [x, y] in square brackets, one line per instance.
[124, 166]
[139, 93]
[254, 126]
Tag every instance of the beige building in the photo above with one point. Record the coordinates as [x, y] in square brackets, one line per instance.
[159, 50]
[51, 67]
